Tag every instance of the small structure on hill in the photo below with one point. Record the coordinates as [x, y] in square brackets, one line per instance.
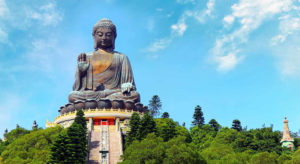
[287, 140]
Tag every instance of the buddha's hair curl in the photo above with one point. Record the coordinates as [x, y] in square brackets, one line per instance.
[105, 23]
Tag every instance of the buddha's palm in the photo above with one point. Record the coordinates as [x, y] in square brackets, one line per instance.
[82, 63]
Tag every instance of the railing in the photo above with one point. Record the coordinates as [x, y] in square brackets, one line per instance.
[104, 143]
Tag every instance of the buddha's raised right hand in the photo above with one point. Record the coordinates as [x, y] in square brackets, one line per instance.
[82, 63]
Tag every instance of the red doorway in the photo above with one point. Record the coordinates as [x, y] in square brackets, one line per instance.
[110, 121]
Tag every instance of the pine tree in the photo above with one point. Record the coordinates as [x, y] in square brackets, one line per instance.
[72, 146]
[155, 106]
[213, 123]
[79, 119]
[165, 115]
[236, 124]
[198, 117]
[147, 126]
[134, 124]
[77, 145]
[59, 149]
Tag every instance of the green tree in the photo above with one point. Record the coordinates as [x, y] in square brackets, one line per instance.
[149, 150]
[79, 119]
[15, 133]
[198, 117]
[258, 140]
[134, 124]
[179, 152]
[77, 144]
[236, 124]
[165, 115]
[264, 158]
[166, 128]
[59, 149]
[155, 106]
[202, 137]
[33, 147]
[147, 126]
[74, 141]
[213, 123]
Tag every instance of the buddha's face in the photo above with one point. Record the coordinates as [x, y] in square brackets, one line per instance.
[104, 38]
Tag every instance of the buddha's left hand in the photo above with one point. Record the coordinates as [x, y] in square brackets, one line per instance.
[126, 88]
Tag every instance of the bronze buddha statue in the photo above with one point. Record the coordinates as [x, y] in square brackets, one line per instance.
[104, 73]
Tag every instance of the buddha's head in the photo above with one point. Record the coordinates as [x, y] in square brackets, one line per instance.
[104, 34]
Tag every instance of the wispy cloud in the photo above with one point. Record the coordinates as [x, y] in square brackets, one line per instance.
[3, 8]
[178, 29]
[185, 1]
[288, 61]
[33, 15]
[159, 44]
[3, 36]
[288, 25]
[46, 14]
[250, 14]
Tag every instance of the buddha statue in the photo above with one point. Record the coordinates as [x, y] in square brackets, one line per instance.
[104, 73]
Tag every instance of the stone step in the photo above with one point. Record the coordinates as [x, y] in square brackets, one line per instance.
[94, 155]
[114, 145]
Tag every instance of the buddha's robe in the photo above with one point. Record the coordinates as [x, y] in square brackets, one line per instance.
[105, 74]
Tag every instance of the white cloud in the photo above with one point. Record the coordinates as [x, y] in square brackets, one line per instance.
[227, 62]
[210, 6]
[287, 26]
[250, 14]
[3, 36]
[31, 15]
[46, 15]
[288, 62]
[185, 1]
[3, 8]
[159, 44]
[229, 19]
[201, 15]
[179, 28]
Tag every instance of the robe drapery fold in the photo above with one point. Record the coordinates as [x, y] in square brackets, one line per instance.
[104, 81]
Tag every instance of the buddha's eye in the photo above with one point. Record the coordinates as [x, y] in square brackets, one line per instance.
[100, 34]
[108, 34]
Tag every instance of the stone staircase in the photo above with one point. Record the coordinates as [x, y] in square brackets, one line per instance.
[115, 147]
[94, 147]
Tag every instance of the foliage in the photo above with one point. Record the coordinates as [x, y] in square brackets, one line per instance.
[134, 124]
[59, 149]
[259, 140]
[15, 133]
[213, 123]
[79, 119]
[147, 126]
[263, 158]
[155, 106]
[166, 128]
[77, 145]
[33, 147]
[236, 124]
[165, 115]
[153, 150]
[71, 146]
[198, 117]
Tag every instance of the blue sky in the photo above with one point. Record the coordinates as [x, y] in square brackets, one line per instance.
[236, 59]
